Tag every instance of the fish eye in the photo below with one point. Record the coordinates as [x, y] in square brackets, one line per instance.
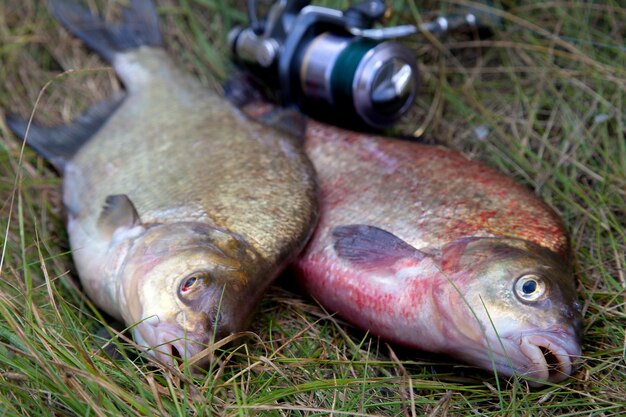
[530, 287]
[190, 282]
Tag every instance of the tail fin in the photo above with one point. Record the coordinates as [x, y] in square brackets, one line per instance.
[139, 27]
[59, 144]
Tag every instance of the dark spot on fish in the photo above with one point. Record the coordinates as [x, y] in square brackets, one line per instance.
[189, 283]
[529, 287]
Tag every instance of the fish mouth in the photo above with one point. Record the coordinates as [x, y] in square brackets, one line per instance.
[169, 343]
[551, 358]
[540, 357]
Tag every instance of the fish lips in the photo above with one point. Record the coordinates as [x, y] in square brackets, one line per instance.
[171, 344]
[553, 357]
[540, 357]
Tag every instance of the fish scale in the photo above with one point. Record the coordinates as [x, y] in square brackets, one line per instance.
[428, 249]
[181, 210]
[423, 247]
[227, 175]
[478, 201]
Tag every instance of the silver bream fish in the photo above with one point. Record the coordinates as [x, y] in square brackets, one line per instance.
[181, 210]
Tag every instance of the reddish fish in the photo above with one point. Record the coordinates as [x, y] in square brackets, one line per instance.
[426, 248]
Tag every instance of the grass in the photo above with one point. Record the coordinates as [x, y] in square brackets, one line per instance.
[549, 91]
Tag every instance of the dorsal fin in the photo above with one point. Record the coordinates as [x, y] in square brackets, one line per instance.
[139, 26]
[286, 120]
[246, 93]
[59, 144]
[118, 212]
[242, 89]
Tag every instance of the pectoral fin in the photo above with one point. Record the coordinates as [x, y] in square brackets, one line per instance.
[369, 247]
[118, 212]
